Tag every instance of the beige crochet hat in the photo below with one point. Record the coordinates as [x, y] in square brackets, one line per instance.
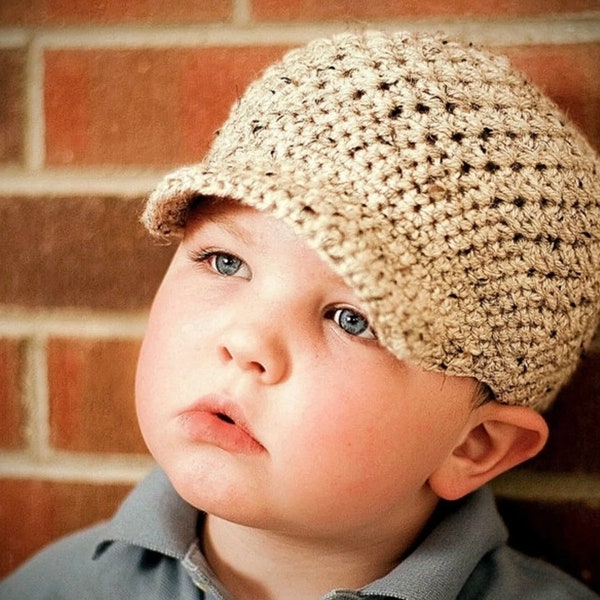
[449, 193]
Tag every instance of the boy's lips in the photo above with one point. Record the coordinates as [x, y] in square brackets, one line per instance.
[218, 421]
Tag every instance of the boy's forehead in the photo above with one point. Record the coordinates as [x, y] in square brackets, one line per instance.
[222, 212]
[232, 216]
[258, 231]
[243, 223]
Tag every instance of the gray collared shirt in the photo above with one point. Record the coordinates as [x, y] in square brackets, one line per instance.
[150, 551]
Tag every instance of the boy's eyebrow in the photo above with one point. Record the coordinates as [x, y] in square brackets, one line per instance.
[232, 227]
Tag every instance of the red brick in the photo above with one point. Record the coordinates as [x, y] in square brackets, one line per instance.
[283, 10]
[12, 84]
[161, 107]
[78, 252]
[91, 391]
[12, 422]
[573, 421]
[566, 534]
[570, 75]
[152, 107]
[51, 510]
[71, 12]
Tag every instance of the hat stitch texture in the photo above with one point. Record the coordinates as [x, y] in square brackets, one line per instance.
[448, 192]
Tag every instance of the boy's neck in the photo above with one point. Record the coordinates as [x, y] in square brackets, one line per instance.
[255, 564]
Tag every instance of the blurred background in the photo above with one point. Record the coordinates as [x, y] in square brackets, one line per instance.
[98, 100]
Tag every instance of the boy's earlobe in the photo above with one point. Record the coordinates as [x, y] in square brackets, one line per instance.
[498, 437]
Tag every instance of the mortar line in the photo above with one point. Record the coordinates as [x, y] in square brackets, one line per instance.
[554, 29]
[241, 12]
[34, 134]
[126, 182]
[72, 323]
[13, 38]
[79, 468]
[525, 484]
[37, 429]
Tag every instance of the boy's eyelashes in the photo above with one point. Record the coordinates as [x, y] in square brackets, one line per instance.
[223, 263]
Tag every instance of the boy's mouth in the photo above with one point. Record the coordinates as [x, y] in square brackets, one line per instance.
[225, 418]
[219, 422]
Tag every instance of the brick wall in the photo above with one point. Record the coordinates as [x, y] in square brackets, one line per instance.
[97, 100]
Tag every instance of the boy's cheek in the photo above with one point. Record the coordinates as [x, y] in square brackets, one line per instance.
[155, 375]
[333, 442]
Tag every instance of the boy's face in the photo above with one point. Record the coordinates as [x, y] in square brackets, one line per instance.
[263, 394]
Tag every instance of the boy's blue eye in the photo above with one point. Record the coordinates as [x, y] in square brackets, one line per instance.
[226, 264]
[353, 323]
[222, 263]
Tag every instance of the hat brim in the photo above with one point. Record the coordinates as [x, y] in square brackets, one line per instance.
[289, 195]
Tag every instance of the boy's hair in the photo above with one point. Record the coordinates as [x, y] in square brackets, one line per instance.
[447, 191]
[482, 394]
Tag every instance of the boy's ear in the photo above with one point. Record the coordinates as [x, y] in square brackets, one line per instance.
[496, 438]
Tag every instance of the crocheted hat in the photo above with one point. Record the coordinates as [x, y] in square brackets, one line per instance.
[448, 192]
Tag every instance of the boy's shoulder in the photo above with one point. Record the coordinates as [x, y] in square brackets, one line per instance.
[465, 556]
[86, 565]
[503, 572]
[61, 570]
[137, 554]
[506, 573]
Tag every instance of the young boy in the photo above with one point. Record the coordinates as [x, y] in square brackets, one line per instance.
[389, 265]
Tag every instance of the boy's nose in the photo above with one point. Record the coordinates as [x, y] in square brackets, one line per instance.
[255, 351]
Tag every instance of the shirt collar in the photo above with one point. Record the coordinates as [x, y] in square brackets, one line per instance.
[440, 565]
[153, 516]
